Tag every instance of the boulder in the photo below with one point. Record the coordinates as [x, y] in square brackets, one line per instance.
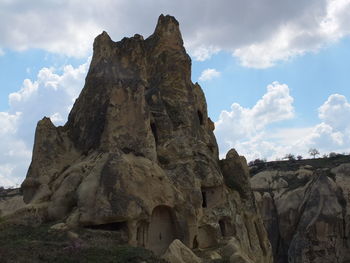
[177, 252]
[59, 227]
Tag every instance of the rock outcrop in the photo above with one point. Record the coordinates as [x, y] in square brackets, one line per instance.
[306, 212]
[10, 200]
[138, 154]
[179, 253]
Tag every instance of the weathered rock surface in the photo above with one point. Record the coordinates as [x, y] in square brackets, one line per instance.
[10, 200]
[306, 213]
[138, 154]
[177, 252]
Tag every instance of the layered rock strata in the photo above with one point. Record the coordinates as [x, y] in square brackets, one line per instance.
[138, 154]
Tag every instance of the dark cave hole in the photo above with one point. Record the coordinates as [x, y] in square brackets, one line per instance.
[222, 228]
[195, 243]
[154, 131]
[200, 117]
[204, 197]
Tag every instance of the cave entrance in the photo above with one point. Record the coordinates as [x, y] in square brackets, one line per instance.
[154, 131]
[222, 228]
[195, 243]
[162, 230]
[206, 236]
[142, 234]
[200, 117]
[204, 199]
[226, 227]
[211, 196]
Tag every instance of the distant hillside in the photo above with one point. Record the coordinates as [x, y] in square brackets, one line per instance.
[7, 193]
[293, 165]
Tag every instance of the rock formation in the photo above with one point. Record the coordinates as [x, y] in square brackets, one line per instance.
[138, 155]
[306, 212]
[10, 200]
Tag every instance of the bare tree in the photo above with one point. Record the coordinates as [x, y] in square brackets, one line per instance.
[313, 152]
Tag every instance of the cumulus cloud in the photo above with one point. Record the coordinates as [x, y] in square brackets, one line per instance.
[258, 32]
[249, 130]
[335, 112]
[309, 32]
[203, 53]
[333, 133]
[51, 94]
[209, 74]
[241, 126]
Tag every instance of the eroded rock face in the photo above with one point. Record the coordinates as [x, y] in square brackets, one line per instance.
[179, 253]
[306, 213]
[138, 154]
[10, 200]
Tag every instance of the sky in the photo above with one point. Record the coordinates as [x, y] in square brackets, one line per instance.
[275, 72]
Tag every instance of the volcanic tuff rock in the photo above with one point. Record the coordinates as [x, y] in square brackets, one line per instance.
[138, 154]
[306, 213]
[10, 200]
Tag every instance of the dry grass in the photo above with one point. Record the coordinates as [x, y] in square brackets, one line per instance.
[23, 244]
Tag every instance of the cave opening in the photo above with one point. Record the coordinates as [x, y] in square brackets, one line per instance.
[222, 227]
[200, 117]
[204, 199]
[142, 234]
[161, 230]
[154, 131]
[195, 243]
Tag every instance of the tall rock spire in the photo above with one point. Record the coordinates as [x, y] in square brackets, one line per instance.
[138, 151]
[168, 30]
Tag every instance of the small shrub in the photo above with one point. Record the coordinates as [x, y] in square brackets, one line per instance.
[290, 157]
[257, 162]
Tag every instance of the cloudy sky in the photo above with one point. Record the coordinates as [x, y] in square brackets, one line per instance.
[275, 72]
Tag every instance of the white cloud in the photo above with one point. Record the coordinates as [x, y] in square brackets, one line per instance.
[203, 53]
[258, 32]
[333, 133]
[51, 94]
[242, 125]
[335, 112]
[265, 54]
[308, 33]
[8, 122]
[2, 52]
[249, 130]
[209, 74]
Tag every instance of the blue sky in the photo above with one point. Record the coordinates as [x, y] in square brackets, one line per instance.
[275, 73]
